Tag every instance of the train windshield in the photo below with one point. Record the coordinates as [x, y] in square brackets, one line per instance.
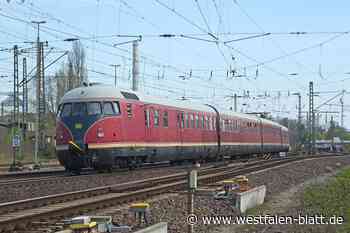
[94, 108]
[80, 109]
[66, 110]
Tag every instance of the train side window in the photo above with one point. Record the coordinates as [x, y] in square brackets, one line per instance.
[182, 120]
[79, 109]
[66, 110]
[203, 123]
[108, 108]
[94, 108]
[197, 121]
[156, 118]
[178, 120]
[147, 116]
[165, 119]
[187, 120]
[129, 110]
[209, 123]
[192, 120]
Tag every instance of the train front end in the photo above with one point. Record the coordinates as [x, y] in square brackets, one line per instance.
[86, 119]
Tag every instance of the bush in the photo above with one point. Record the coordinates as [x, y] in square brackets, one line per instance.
[332, 198]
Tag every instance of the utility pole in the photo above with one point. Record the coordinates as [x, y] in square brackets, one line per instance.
[39, 94]
[299, 119]
[235, 102]
[299, 110]
[341, 112]
[135, 64]
[115, 73]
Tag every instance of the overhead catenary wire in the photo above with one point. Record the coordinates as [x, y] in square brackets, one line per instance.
[263, 31]
[211, 68]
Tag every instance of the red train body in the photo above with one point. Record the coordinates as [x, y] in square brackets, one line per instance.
[114, 128]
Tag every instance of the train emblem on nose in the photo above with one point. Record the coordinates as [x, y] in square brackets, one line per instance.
[78, 125]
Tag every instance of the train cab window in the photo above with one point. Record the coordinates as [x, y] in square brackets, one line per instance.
[66, 110]
[94, 108]
[165, 119]
[197, 121]
[79, 109]
[192, 120]
[116, 108]
[108, 108]
[156, 118]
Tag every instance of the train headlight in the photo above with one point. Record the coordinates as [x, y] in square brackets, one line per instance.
[59, 134]
[100, 133]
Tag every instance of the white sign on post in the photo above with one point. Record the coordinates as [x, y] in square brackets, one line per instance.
[193, 179]
[16, 141]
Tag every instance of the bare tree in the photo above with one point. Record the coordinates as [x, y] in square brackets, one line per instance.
[73, 73]
[77, 72]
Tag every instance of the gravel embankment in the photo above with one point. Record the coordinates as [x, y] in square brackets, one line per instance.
[174, 208]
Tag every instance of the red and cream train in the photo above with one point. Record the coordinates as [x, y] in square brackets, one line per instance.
[103, 127]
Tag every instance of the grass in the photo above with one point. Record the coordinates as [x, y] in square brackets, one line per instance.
[330, 199]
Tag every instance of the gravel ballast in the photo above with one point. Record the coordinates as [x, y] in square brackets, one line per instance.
[173, 209]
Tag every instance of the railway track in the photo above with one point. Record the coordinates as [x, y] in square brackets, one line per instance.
[22, 180]
[52, 176]
[19, 214]
[33, 174]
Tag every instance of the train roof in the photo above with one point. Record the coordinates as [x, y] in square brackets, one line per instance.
[110, 92]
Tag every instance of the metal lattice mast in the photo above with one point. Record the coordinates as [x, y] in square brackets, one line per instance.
[15, 86]
[312, 133]
[15, 101]
[25, 97]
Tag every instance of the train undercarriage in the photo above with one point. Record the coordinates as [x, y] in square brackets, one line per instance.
[114, 158]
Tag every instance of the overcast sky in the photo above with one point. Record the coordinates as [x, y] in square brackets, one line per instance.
[289, 44]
